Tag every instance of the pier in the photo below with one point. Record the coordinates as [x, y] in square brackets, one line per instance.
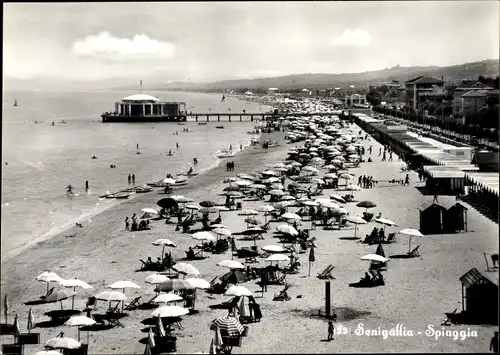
[246, 116]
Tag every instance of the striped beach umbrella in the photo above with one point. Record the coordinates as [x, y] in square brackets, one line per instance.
[228, 326]
[186, 269]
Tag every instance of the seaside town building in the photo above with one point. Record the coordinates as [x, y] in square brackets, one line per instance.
[418, 85]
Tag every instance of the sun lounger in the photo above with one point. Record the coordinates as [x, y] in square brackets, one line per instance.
[48, 293]
[134, 304]
[326, 274]
[195, 256]
[414, 252]
[391, 238]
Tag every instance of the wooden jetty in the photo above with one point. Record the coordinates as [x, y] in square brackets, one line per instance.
[240, 116]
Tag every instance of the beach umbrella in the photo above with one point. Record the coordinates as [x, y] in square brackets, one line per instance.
[277, 192]
[203, 236]
[374, 257]
[233, 194]
[253, 231]
[273, 249]
[366, 204]
[186, 269]
[243, 183]
[329, 204]
[277, 257]
[208, 204]
[167, 297]
[277, 186]
[63, 343]
[309, 203]
[222, 231]
[48, 352]
[238, 291]
[248, 213]
[258, 186]
[286, 229]
[287, 198]
[174, 284]
[218, 225]
[337, 198]
[356, 220]
[385, 222]
[149, 210]
[48, 277]
[167, 203]
[310, 169]
[284, 204]
[270, 180]
[231, 264]
[352, 187]
[192, 206]
[156, 279]
[411, 233]
[251, 220]
[346, 176]
[74, 283]
[163, 242]
[80, 321]
[228, 326]
[231, 188]
[234, 276]
[111, 296]
[170, 312]
[330, 176]
[290, 215]
[269, 172]
[198, 283]
[181, 198]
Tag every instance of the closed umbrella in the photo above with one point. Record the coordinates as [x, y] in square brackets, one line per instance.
[80, 321]
[312, 259]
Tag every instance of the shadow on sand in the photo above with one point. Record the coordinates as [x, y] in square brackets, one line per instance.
[402, 256]
[350, 238]
[343, 313]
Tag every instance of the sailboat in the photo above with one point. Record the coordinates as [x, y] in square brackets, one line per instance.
[15, 103]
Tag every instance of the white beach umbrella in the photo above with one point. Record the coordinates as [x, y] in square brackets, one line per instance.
[283, 204]
[310, 169]
[63, 343]
[218, 225]
[186, 269]
[156, 279]
[203, 236]
[222, 231]
[123, 284]
[269, 172]
[243, 183]
[287, 198]
[290, 215]
[330, 176]
[180, 198]
[230, 179]
[265, 208]
[352, 187]
[167, 297]
[309, 203]
[193, 206]
[411, 233]
[238, 291]
[149, 210]
[374, 257]
[74, 283]
[231, 264]
[337, 198]
[287, 229]
[257, 186]
[48, 352]
[198, 283]
[170, 312]
[270, 180]
[318, 181]
[80, 321]
[356, 220]
[329, 204]
[278, 257]
[110, 296]
[273, 249]
[163, 242]
[169, 181]
[385, 222]
[48, 277]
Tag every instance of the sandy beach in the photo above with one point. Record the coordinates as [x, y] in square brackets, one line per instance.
[417, 292]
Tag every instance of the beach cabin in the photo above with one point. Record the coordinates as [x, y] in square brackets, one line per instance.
[455, 219]
[431, 218]
[486, 161]
[447, 180]
[480, 297]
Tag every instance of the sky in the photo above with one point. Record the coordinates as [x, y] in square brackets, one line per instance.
[201, 41]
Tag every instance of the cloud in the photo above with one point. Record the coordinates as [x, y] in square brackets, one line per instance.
[356, 38]
[106, 44]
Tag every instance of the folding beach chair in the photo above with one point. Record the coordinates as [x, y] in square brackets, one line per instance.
[450, 318]
[414, 252]
[113, 316]
[326, 274]
[48, 293]
[134, 304]
[391, 238]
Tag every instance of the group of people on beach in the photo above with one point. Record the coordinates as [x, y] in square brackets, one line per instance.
[230, 166]
[366, 182]
[131, 179]
[134, 226]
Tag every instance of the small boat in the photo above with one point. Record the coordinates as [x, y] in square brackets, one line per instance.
[219, 127]
[15, 103]
[224, 153]
[202, 123]
[119, 195]
[141, 190]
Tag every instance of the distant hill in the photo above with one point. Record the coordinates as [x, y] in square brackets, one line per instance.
[455, 73]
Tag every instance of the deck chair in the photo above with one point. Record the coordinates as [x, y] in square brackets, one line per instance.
[91, 304]
[326, 273]
[292, 269]
[450, 318]
[134, 304]
[282, 295]
[194, 256]
[113, 315]
[414, 252]
[391, 238]
[48, 293]
[216, 286]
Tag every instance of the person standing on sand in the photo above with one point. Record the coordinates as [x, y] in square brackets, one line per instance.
[86, 185]
[330, 330]
[494, 343]
[133, 179]
[137, 146]
[129, 178]
[127, 224]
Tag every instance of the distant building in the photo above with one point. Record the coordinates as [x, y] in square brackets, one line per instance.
[469, 96]
[355, 99]
[272, 91]
[418, 85]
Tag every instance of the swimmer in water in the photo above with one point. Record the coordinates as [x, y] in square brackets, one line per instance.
[169, 152]
[69, 190]
[94, 157]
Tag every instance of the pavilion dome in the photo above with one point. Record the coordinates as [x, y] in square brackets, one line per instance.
[140, 97]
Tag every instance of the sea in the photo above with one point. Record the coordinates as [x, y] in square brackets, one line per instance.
[39, 160]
